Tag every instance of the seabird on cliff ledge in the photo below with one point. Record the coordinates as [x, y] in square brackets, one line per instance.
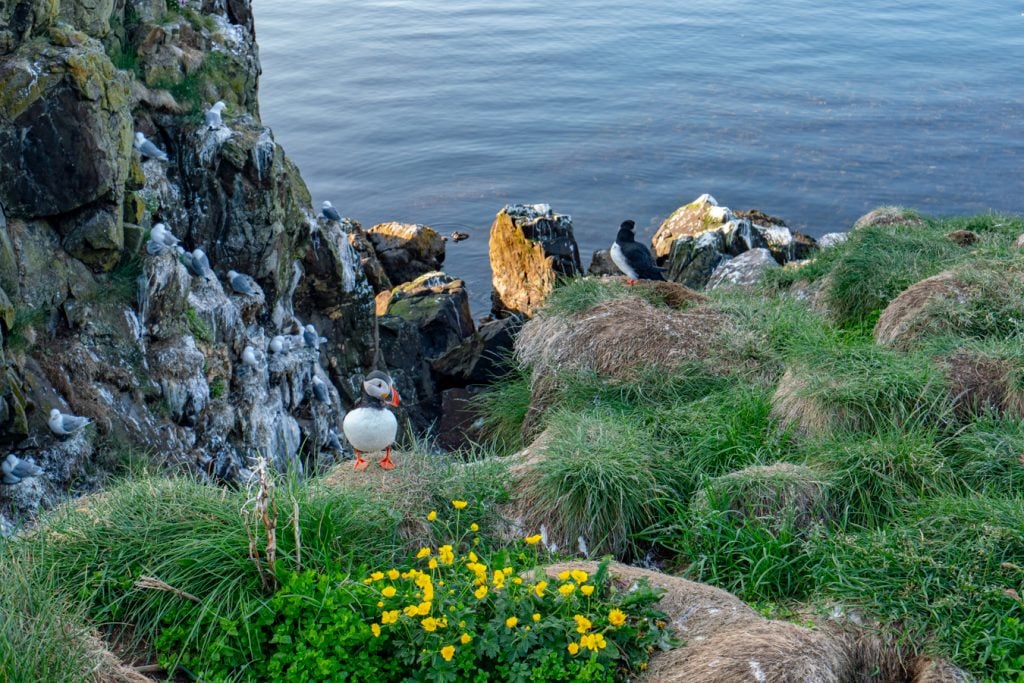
[213, 120]
[15, 469]
[370, 427]
[148, 149]
[633, 258]
[330, 213]
[65, 425]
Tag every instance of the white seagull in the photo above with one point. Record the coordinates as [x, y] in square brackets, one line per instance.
[213, 120]
[65, 425]
[148, 149]
[329, 212]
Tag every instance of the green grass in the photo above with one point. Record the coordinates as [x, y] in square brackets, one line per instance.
[197, 326]
[41, 632]
[504, 409]
[191, 536]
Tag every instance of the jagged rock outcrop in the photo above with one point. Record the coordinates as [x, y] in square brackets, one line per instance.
[406, 250]
[531, 246]
[94, 325]
[746, 270]
[601, 264]
[701, 236]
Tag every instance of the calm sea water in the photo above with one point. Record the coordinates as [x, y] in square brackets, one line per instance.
[442, 111]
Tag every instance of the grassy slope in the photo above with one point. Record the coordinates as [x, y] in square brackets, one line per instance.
[924, 529]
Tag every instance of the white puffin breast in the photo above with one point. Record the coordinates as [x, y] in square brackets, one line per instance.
[619, 259]
[370, 429]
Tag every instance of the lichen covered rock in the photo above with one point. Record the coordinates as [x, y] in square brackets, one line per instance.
[530, 248]
[407, 250]
[746, 270]
[691, 220]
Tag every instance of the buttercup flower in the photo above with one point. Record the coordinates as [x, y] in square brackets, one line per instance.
[474, 527]
[459, 504]
[448, 651]
[536, 616]
[377, 576]
[480, 592]
[511, 622]
[432, 564]
[411, 610]
[388, 591]
[539, 588]
[376, 630]
[579, 576]
[424, 552]
[465, 638]
[573, 648]
[380, 603]
[587, 590]
[429, 624]
[564, 576]
[423, 609]
[533, 540]
[393, 574]
[389, 617]
[582, 623]
[616, 617]
[432, 515]
[567, 589]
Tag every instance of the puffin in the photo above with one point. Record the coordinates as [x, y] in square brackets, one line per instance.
[370, 426]
[633, 258]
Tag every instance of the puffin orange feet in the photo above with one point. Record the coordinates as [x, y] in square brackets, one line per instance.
[386, 462]
[631, 281]
[360, 463]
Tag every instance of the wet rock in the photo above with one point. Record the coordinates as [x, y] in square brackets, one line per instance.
[65, 129]
[460, 423]
[483, 357]
[601, 264]
[530, 247]
[746, 270]
[406, 250]
[691, 220]
[831, 239]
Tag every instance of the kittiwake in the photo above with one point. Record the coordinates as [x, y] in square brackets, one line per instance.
[65, 425]
[239, 283]
[330, 213]
[213, 120]
[15, 469]
[148, 149]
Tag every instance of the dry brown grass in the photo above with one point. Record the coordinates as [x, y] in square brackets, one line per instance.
[619, 337]
[724, 641]
[793, 406]
[912, 314]
[979, 383]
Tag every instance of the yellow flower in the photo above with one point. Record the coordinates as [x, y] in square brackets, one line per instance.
[424, 552]
[564, 576]
[474, 527]
[432, 515]
[582, 623]
[587, 590]
[511, 622]
[432, 564]
[377, 576]
[393, 574]
[533, 540]
[389, 617]
[388, 591]
[507, 571]
[517, 581]
[472, 557]
[567, 589]
[476, 540]
[448, 651]
[499, 580]
[380, 604]
[465, 638]
[616, 617]
[536, 616]
[446, 554]
[579, 576]
[599, 641]
[423, 609]
[367, 581]
[459, 504]
[429, 624]
[376, 630]
[411, 610]
[480, 592]
[442, 622]
[539, 588]
[573, 648]
[588, 642]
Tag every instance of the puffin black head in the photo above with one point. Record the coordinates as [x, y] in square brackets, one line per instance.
[379, 385]
[625, 232]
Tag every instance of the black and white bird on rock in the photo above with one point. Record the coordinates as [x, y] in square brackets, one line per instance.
[633, 258]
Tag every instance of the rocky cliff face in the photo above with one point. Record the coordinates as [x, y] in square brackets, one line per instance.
[94, 324]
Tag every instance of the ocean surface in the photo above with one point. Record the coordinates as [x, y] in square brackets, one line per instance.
[442, 111]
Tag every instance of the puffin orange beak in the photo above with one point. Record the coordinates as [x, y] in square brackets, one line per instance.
[394, 397]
